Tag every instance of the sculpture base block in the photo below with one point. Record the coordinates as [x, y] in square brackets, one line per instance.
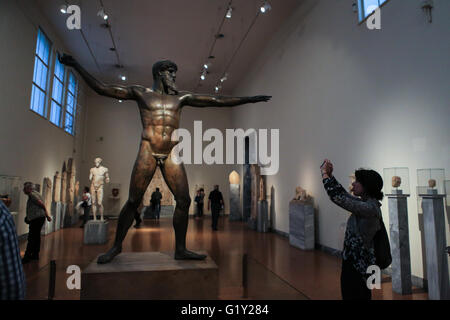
[96, 232]
[301, 225]
[150, 276]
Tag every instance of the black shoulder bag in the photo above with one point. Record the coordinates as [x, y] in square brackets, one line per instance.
[382, 247]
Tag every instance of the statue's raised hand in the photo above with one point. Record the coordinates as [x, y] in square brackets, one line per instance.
[67, 60]
[260, 98]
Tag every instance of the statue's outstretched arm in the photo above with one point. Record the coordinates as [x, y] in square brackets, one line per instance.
[114, 91]
[199, 100]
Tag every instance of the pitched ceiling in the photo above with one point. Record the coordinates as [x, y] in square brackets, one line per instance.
[146, 31]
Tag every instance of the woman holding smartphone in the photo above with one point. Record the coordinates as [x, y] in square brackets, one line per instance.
[365, 220]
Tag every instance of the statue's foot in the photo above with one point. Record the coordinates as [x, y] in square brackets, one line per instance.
[188, 255]
[108, 256]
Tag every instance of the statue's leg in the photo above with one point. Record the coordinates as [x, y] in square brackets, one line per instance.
[100, 202]
[143, 170]
[94, 202]
[176, 179]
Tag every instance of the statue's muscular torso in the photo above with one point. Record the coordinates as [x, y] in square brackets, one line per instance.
[160, 116]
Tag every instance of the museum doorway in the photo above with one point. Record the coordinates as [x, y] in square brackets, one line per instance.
[167, 201]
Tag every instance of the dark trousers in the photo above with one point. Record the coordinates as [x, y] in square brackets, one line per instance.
[215, 209]
[137, 217]
[353, 284]
[87, 212]
[200, 209]
[34, 238]
[157, 210]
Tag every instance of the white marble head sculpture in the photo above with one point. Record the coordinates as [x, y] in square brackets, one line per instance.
[97, 162]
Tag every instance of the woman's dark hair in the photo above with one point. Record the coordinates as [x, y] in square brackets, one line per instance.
[371, 182]
[86, 189]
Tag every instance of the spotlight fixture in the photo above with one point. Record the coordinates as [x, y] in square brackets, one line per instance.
[63, 9]
[229, 13]
[207, 65]
[211, 57]
[203, 76]
[102, 14]
[218, 87]
[120, 101]
[123, 78]
[265, 7]
[224, 78]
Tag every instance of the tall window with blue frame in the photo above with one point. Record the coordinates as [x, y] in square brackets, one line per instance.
[40, 75]
[71, 104]
[57, 94]
[367, 7]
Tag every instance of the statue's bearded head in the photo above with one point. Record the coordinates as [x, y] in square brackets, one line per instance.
[165, 71]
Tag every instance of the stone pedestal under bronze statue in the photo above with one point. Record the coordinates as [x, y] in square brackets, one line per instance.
[150, 276]
[160, 109]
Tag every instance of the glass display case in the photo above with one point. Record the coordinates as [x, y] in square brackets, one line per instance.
[396, 180]
[430, 181]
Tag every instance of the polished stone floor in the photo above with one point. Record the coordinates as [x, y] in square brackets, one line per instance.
[251, 265]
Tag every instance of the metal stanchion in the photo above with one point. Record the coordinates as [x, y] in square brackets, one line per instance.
[245, 276]
[52, 280]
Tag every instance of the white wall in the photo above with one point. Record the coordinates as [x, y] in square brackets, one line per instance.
[361, 98]
[120, 126]
[31, 146]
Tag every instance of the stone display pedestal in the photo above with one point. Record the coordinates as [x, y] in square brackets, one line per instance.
[48, 227]
[63, 215]
[57, 215]
[235, 203]
[262, 220]
[96, 232]
[15, 217]
[76, 215]
[150, 276]
[435, 245]
[301, 225]
[399, 232]
[67, 220]
[251, 223]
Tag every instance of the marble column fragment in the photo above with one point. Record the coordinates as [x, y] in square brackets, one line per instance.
[399, 232]
[435, 246]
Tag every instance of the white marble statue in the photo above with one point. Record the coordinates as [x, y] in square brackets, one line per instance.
[98, 176]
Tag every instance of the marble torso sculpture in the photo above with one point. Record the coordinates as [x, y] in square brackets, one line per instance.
[98, 176]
